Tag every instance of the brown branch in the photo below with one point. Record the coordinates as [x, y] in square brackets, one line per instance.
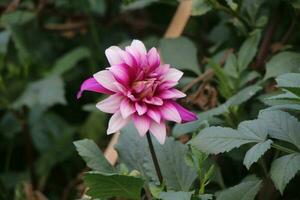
[267, 40]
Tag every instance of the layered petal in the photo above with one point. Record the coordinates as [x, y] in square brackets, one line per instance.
[171, 94]
[116, 123]
[127, 108]
[173, 75]
[154, 114]
[169, 112]
[153, 58]
[106, 79]
[120, 73]
[154, 101]
[159, 131]
[142, 124]
[113, 55]
[111, 104]
[186, 115]
[141, 108]
[91, 84]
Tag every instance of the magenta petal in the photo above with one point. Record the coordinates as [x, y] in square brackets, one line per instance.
[171, 94]
[113, 55]
[173, 75]
[159, 131]
[186, 115]
[91, 84]
[120, 73]
[169, 112]
[126, 108]
[142, 124]
[154, 101]
[154, 114]
[106, 79]
[116, 123]
[141, 108]
[153, 58]
[111, 104]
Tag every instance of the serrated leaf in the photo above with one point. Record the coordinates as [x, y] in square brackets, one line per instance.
[69, 60]
[290, 81]
[133, 150]
[284, 169]
[244, 191]
[285, 107]
[177, 174]
[218, 139]
[93, 157]
[248, 50]
[113, 185]
[44, 92]
[180, 53]
[290, 61]
[172, 195]
[256, 152]
[200, 7]
[281, 125]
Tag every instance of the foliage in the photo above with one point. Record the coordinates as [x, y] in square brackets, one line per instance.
[241, 64]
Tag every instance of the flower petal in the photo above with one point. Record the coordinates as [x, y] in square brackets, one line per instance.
[141, 108]
[111, 104]
[116, 123]
[153, 58]
[171, 94]
[186, 115]
[139, 46]
[91, 84]
[169, 112]
[106, 79]
[126, 108]
[142, 124]
[154, 101]
[120, 73]
[159, 131]
[113, 55]
[154, 114]
[173, 75]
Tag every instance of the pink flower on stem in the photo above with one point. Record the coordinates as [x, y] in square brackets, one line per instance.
[141, 89]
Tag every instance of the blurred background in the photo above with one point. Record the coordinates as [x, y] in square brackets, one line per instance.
[48, 47]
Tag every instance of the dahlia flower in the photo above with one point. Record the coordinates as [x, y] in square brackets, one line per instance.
[141, 89]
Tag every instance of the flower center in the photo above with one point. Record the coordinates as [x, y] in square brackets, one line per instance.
[144, 88]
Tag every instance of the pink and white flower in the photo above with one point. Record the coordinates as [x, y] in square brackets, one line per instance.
[141, 89]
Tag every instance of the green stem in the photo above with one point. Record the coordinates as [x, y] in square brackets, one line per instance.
[283, 149]
[154, 158]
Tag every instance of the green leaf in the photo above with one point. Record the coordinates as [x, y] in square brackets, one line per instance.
[200, 7]
[281, 125]
[231, 66]
[93, 157]
[4, 39]
[248, 50]
[44, 92]
[282, 63]
[137, 4]
[177, 174]
[256, 152]
[180, 53]
[244, 191]
[113, 185]
[284, 169]
[133, 150]
[243, 95]
[232, 5]
[69, 60]
[97, 6]
[172, 195]
[17, 17]
[247, 77]
[290, 82]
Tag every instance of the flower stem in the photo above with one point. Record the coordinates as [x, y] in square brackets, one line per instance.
[283, 149]
[154, 158]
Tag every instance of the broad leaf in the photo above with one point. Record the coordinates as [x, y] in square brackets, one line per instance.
[180, 53]
[200, 7]
[248, 51]
[133, 149]
[284, 169]
[243, 95]
[231, 66]
[246, 190]
[69, 60]
[4, 39]
[45, 92]
[93, 157]
[290, 81]
[171, 195]
[256, 152]
[281, 125]
[113, 185]
[281, 63]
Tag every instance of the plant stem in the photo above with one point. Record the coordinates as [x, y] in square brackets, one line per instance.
[281, 148]
[154, 158]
